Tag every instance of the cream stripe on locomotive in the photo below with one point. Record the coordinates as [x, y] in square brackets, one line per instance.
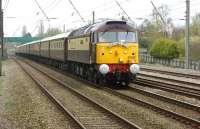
[79, 44]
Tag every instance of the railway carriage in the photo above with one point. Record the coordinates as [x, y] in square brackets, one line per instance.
[34, 48]
[44, 49]
[57, 49]
[106, 51]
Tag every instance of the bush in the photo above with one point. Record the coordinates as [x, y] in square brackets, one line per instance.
[165, 49]
[181, 48]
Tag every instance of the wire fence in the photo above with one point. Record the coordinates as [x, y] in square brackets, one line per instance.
[176, 63]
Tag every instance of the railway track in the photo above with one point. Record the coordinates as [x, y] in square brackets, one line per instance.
[192, 84]
[188, 84]
[166, 86]
[166, 99]
[85, 112]
[187, 120]
[179, 74]
[193, 122]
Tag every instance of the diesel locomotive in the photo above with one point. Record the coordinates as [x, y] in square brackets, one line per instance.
[101, 52]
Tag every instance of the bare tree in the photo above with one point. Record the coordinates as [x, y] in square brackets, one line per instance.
[52, 32]
[195, 26]
[162, 21]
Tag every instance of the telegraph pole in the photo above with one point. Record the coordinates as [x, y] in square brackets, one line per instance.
[187, 34]
[93, 17]
[1, 36]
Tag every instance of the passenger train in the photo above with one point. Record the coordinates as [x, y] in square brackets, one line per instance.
[101, 52]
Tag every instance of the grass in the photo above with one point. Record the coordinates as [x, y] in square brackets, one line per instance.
[8, 104]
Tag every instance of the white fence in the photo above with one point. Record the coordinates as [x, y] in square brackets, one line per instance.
[195, 65]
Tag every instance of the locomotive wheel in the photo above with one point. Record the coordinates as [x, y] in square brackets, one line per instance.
[125, 83]
[85, 73]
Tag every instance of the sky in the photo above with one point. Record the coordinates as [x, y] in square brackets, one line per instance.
[18, 13]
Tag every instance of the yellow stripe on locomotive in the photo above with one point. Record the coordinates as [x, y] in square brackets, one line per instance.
[108, 53]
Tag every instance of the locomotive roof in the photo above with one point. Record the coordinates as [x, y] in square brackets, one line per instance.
[97, 27]
[101, 27]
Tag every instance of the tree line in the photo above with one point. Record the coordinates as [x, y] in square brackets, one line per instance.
[164, 40]
[41, 31]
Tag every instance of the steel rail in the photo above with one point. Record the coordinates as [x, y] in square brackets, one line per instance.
[186, 120]
[172, 80]
[52, 97]
[190, 121]
[179, 74]
[165, 87]
[131, 124]
[166, 99]
[193, 90]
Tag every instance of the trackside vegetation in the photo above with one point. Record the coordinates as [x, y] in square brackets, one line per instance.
[165, 49]
[171, 36]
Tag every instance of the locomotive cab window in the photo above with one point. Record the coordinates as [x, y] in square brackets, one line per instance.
[117, 37]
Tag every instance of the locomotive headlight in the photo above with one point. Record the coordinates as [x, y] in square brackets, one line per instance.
[104, 69]
[134, 68]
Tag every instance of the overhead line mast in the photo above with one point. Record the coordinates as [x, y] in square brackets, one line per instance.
[187, 33]
[1, 36]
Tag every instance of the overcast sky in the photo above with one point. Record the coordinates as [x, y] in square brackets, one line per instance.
[18, 13]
